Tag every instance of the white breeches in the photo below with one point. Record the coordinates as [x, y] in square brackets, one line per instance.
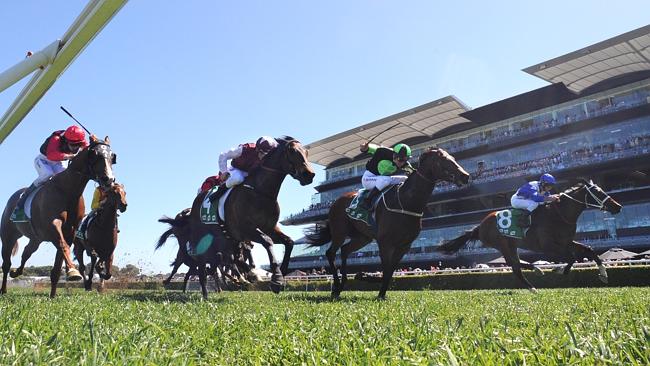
[236, 177]
[370, 181]
[46, 168]
[522, 203]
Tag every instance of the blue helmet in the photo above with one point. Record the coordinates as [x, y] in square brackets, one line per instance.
[547, 179]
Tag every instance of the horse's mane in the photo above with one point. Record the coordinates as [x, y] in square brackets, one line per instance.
[576, 186]
[284, 139]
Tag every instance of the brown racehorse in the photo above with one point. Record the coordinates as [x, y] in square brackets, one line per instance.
[398, 217]
[56, 210]
[552, 231]
[101, 236]
[252, 209]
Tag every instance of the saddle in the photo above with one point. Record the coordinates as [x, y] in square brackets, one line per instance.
[508, 223]
[356, 212]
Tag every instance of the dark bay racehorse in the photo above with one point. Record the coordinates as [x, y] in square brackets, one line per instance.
[101, 236]
[56, 210]
[234, 262]
[398, 216]
[252, 210]
[552, 231]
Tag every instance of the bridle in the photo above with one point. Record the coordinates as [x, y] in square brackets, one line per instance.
[600, 203]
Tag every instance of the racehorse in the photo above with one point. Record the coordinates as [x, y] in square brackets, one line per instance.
[56, 210]
[100, 239]
[252, 210]
[552, 231]
[180, 230]
[398, 218]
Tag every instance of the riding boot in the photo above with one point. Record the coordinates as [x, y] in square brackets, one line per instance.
[19, 211]
[366, 203]
[524, 219]
[216, 195]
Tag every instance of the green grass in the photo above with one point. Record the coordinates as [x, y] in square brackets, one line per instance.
[489, 327]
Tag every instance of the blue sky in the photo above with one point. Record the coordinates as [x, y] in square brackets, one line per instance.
[173, 83]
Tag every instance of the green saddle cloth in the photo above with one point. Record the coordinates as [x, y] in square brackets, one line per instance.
[508, 223]
[356, 212]
[210, 211]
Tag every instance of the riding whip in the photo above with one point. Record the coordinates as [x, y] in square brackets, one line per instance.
[71, 116]
[377, 135]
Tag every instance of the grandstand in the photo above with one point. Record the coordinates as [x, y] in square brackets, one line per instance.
[592, 121]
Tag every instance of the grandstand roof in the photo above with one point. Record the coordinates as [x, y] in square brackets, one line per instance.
[422, 121]
[578, 70]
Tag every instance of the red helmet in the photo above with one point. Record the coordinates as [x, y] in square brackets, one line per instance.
[74, 135]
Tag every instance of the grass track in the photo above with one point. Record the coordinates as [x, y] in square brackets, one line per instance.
[489, 327]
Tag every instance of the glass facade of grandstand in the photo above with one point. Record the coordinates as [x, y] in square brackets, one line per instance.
[620, 138]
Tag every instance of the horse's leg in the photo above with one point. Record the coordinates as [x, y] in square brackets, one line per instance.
[186, 280]
[176, 265]
[9, 246]
[532, 267]
[390, 257]
[31, 247]
[93, 265]
[203, 277]
[277, 279]
[217, 278]
[279, 237]
[62, 245]
[353, 245]
[509, 251]
[584, 251]
[79, 254]
[55, 273]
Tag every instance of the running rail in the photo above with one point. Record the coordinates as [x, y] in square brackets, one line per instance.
[53, 60]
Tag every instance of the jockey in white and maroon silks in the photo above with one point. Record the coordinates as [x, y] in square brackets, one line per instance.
[242, 158]
[58, 147]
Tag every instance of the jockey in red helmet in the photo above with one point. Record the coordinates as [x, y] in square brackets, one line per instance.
[59, 146]
[242, 158]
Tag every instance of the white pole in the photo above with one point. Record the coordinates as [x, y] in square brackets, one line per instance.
[38, 60]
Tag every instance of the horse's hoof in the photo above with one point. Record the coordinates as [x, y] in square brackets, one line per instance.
[14, 273]
[73, 275]
[381, 297]
[276, 287]
[533, 290]
[603, 279]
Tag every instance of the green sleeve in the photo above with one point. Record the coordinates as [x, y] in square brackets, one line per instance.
[386, 167]
[372, 148]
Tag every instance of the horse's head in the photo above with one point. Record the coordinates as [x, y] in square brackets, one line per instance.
[96, 162]
[436, 164]
[117, 196]
[590, 194]
[290, 157]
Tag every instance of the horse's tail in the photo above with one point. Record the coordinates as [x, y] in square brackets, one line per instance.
[454, 245]
[163, 238]
[14, 250]
[318, 235]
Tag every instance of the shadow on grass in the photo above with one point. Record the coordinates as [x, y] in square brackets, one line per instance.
[323, 297]
[169, 296]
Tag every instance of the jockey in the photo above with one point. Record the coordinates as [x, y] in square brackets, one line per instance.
[58, 147]
[209, 182]
[380, 169]
[242, 158]
[99, 197]
[532, 194]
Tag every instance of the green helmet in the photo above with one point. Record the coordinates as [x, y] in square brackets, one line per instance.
[402, 151]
